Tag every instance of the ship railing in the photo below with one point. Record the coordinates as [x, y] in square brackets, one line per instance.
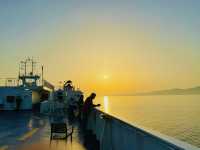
[52, 108]
[8, 82]
[116, 134]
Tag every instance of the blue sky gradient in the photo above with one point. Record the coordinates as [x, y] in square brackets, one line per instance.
[155, 43]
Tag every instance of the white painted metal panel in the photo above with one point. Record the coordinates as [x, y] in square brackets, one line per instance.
[115, 134]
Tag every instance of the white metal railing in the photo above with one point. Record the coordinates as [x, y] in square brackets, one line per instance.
[8, 82]
[115, 134]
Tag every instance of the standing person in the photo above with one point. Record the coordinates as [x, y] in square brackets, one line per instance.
[80, 106]
[87, 107]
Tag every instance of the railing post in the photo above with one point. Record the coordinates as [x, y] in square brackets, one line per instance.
[106, 138]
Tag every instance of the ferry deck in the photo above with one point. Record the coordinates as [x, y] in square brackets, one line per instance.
[26, 130]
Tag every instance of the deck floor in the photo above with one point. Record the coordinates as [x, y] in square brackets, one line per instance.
[25, 130]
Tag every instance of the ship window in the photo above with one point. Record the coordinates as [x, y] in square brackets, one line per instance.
[10, 99]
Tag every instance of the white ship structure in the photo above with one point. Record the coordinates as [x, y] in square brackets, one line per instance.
[27, 91]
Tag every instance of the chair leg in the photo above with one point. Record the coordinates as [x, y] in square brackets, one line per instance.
[72, 132]
[71, 137]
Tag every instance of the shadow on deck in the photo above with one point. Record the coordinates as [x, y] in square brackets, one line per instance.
[75, 144]
[79, 141]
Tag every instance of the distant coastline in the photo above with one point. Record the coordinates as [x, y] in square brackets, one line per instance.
[177, 91]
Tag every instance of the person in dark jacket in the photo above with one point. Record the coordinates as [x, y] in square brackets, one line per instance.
[87, 107]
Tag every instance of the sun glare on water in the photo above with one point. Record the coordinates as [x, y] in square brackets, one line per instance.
[106, 104]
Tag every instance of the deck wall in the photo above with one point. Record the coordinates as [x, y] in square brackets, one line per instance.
[115, 134]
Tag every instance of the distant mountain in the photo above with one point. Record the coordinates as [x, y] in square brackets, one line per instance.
[189, 91]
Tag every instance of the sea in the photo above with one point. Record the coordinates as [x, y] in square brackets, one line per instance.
[177, 116]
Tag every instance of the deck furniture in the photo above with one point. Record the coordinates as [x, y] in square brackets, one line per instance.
[61, 128]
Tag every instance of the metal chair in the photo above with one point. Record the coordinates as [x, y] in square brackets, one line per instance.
[59, 128]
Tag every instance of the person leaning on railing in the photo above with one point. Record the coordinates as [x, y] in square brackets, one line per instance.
[87, 107]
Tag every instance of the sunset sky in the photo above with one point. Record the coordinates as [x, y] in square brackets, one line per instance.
[106, 46]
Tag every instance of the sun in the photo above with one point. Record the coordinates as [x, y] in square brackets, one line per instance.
[105, 77]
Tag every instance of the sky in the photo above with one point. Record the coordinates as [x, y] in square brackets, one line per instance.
[107, 46]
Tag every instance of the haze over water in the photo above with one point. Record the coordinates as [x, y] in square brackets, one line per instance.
[175, 116]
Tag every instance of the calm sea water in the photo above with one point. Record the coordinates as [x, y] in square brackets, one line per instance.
[176, 116]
